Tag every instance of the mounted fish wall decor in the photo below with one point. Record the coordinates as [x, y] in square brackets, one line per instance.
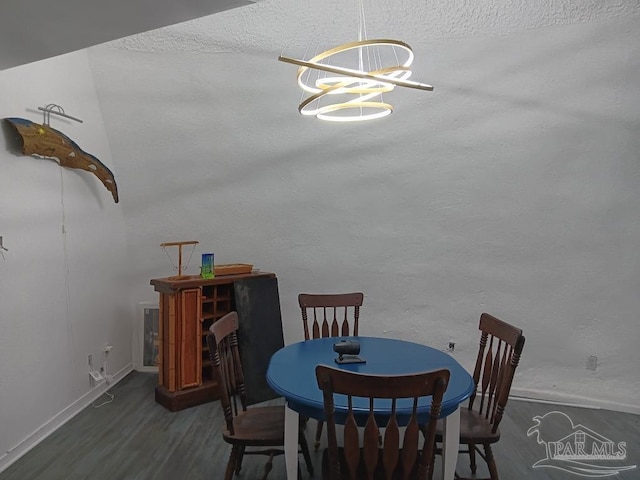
[44, 141]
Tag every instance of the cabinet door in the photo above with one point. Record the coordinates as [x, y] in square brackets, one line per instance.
[190, 344]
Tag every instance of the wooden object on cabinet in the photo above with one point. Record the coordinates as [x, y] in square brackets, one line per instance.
[188, 307]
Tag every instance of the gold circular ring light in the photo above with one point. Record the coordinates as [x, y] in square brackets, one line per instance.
[359, 90]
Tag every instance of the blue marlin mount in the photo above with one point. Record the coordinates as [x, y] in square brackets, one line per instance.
[44, 141]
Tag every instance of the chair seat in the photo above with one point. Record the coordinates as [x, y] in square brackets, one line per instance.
[258, 426]
[474, 428]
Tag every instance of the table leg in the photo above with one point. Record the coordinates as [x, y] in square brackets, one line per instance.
[291, 442]
[450, 445]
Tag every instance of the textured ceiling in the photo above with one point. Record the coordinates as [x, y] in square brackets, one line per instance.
[269, 26]
[37, 29]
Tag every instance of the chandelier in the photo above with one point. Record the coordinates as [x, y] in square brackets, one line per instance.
[346, 83]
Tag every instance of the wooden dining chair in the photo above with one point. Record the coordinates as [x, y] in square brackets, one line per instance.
[332, 314]
[329, 315]
[260, 426]
[370, 458]
[498, 357]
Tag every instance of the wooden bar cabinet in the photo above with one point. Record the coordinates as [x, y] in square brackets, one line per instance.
[188, 307]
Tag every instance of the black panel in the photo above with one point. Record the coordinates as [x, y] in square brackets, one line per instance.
[260, 332]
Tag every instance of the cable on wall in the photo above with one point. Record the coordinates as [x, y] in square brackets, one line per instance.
[67, 277]
[2, 248]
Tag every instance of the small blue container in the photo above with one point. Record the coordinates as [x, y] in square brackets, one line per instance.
[207, 269]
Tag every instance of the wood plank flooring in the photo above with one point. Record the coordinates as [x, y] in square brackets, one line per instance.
[135, 438]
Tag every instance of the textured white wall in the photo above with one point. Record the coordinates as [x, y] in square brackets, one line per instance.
[512, 188]
[62, 296]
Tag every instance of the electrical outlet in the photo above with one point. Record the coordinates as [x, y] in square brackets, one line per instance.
[96, 375]
[452, 347]
[592, 362]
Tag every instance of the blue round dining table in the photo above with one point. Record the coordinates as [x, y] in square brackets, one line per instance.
[291, 374]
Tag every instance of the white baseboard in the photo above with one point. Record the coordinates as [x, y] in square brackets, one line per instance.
[556, 398]
[33, 439]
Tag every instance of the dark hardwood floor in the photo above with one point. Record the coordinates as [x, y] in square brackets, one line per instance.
[135, 438]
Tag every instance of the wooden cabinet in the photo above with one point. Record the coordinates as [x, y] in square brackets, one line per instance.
[188, 307]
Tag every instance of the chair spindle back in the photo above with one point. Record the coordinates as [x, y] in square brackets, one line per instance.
[222, 340]
[366, 458]
[331, 314]
[501, 345]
